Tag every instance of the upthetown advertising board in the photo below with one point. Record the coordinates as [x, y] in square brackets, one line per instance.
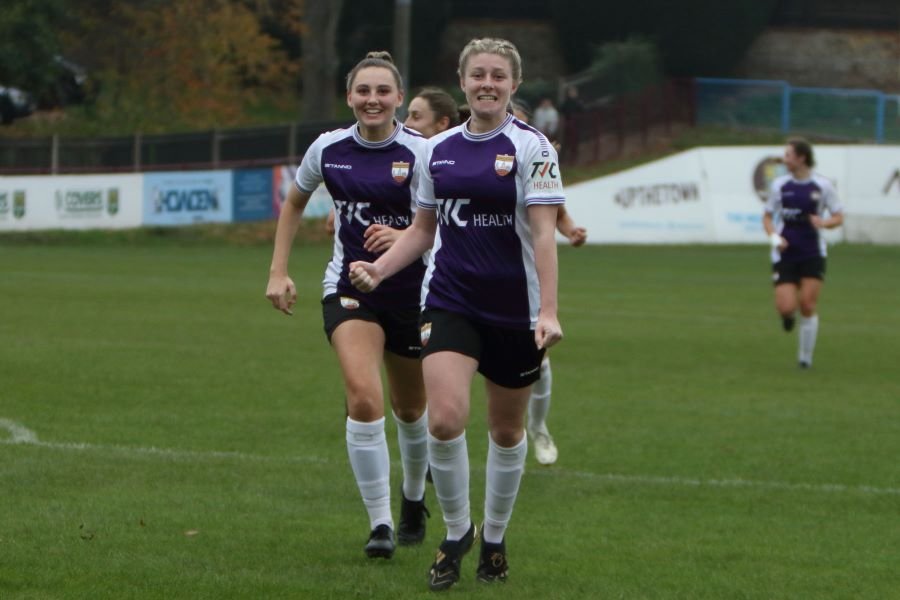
[663, 202]
[717, 195]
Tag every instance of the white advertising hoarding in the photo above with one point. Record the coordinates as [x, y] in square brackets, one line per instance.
[663, 202]
[70, 202]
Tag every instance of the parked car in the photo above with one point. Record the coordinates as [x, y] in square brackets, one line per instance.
[14, 104]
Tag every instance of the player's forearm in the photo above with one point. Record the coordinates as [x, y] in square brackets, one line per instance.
[288, 222]
[835, 220]
[543, 223]
[412, 244]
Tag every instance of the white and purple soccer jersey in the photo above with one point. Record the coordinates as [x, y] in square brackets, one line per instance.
[370, 182]
[482, 263]
[791, 202]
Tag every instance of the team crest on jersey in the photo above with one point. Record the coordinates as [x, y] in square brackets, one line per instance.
[503, 164]
[400, 171]
[349, 303]
[425, 333]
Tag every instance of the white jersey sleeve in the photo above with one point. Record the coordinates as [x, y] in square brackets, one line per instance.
[423, 184]
[830, 200]
[309, 174]
[541, 180]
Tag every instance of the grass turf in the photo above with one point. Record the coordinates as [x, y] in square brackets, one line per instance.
[190, 438]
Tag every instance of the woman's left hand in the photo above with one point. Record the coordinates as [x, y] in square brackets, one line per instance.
[548, 331]
[380, 237]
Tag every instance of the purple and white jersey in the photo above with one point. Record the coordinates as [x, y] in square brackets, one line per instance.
[370, 182]
[482, 262]
[791, 202]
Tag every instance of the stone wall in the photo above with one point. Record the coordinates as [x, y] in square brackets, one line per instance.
[538, 44]
[846, 58]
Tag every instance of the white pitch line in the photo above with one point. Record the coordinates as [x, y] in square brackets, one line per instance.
[18, 433]
[22, 435]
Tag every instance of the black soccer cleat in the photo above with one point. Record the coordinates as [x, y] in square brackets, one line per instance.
[381, 542]
[492, 565]
[448, 561]
[788, 323]
[412, 521]
[803, 364]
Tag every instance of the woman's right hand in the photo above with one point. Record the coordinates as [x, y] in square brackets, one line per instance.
[282, 293]
[364, 276]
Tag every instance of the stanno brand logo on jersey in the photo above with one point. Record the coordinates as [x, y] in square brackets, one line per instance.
[503, 164]
[440, 163]
[338, 166]
[400, 171]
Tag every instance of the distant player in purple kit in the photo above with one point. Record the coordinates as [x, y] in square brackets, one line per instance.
[370, 170]
[487, 207]
[794, 215]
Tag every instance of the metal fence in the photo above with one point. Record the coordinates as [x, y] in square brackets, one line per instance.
[841, 114]
[261, 146]
[612, 127]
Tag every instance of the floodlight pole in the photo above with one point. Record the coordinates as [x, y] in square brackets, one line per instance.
[402, 20]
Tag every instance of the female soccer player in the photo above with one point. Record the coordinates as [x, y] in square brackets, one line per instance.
[545, 450]
[370, 171]
[487, 206]
[797, 203]
[431, 111]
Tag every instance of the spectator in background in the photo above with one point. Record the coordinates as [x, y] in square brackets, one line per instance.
[794, 216]
[571, 104]
[546, 119]
[571, 107]
[370, 169]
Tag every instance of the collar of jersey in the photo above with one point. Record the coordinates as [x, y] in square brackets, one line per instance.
[480, 137]
[385, 142]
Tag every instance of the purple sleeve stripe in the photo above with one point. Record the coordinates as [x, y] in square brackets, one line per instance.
[421, 204]
[297, 185]
[556, 200]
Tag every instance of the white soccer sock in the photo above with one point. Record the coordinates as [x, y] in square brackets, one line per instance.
[368, 451]
[809, 328]
[539, 402]
[450, 474]
[413, 441]
[504, 472]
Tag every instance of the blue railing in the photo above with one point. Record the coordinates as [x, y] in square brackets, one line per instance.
[849, 114]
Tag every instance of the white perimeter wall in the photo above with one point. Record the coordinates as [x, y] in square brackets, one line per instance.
[715, 195]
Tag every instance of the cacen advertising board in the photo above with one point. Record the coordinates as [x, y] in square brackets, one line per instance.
[184, 198]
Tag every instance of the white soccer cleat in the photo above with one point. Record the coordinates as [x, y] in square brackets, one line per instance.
[544, 449]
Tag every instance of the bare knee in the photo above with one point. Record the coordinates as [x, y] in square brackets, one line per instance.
[364, 404]
[409, 414]
[507, 436]
[446, 422]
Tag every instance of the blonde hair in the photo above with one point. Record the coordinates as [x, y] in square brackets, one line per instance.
[497, 46]
[381, 59]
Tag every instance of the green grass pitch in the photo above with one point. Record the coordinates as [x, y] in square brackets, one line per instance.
[164, 433]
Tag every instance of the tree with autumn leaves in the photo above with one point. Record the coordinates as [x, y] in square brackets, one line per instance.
[165, 65]
[179, 64]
